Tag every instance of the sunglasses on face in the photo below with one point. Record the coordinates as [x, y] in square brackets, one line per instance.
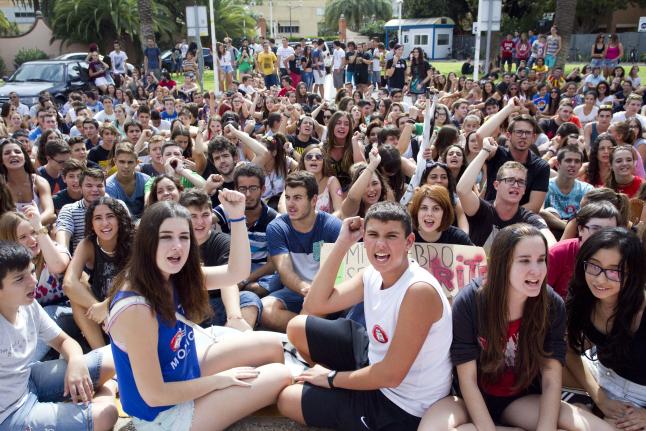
[310, 157]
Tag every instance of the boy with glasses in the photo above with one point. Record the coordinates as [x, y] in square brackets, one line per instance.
[57, 152]
[485, 218]
[521, 135]
[249, 179]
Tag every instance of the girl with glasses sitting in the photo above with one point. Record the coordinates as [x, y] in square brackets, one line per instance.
[607, 328]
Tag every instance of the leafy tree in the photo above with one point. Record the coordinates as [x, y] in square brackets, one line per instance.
[356, 12]
[374, 29]
[106, 20]
[590, 14]
[7, 28]
[463, 12]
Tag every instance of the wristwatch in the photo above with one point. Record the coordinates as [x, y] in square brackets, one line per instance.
[330, 378]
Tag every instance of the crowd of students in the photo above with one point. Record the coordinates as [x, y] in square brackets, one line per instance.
[139, 218]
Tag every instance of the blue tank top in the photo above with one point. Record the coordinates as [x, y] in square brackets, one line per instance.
[177, 358]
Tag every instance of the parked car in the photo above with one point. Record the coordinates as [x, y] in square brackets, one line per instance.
[81, 56]
[166, 59]
[58, 77]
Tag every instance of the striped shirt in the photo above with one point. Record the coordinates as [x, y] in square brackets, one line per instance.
[257, 232]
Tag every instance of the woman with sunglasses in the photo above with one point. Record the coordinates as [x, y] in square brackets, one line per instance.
[606, 329]
[330, 195]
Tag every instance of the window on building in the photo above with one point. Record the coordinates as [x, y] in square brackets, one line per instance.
[320, 11]
[420, 39]
[442, 39]
[24, 14]
[405, 37]
[286, 28]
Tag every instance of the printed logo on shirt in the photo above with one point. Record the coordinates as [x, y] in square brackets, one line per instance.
[176, 341]
[379, 334]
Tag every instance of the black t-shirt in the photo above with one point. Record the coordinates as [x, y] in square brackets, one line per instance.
[360, 68]
[349, 54]
[466, 345]
[215, 252]
[98, 154]
[538, 173]
[398, 78]
[294, 65]
[62, 198]
[148, 169]
[549, 127]
[467, 68]
[418, 74]
[452, 235]
[485, 223]
[633, 368]
[299, 145]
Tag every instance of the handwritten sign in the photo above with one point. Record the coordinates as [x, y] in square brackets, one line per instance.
[454, 266]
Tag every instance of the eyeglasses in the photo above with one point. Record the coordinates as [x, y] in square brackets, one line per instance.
[252, 189]
[592, 228]
[521, 133]
[596, 270]
[314, 157]
[60, 162]
[327, 117]
[513, 181]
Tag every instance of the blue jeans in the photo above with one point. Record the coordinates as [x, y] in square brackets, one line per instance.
[308, 79]
[247, 299]
[61, 314]
[45, 408]
[271, 282]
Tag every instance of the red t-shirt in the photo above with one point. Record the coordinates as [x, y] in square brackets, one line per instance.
[504, 386]
[506, 47]
[562, 257]
[632, 188]
[522, 50]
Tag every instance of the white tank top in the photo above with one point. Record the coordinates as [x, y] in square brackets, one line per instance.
[429, 378]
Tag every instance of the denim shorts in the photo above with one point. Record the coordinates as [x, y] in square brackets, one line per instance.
[550, 60]
[247, 299]
[270, 282]
[611, 63]
[227, 68]
[62, 315]
[597, 62]
[177, 418]
[290, 299]
[45, 408]
[616, 387]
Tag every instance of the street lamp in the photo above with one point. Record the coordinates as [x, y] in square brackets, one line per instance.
[271, 18]
[399, 35]
[291, 6]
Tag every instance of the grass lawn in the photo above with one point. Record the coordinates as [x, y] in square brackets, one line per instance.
[443, 66]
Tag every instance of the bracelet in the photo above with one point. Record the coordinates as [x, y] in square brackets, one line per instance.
[486, 149]
[235, 220]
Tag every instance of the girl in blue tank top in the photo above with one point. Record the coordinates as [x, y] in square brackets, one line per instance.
[167, 381]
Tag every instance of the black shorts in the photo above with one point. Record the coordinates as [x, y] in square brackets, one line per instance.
[361, 78]
[342, 345]
[497, 405]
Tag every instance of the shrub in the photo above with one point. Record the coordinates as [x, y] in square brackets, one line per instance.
[28, 54]
[3, 67]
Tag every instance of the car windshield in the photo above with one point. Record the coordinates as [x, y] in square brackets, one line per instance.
[39, 72]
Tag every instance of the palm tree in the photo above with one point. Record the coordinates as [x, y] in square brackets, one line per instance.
[564, 20]
[104, 21]
[145, 9]
[356, 12]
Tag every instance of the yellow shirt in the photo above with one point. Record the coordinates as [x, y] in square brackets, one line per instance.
[266, 61]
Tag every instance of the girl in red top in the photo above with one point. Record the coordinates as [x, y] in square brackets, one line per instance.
[622, 177]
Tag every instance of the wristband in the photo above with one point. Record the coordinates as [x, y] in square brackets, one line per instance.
[235, 220]
[486, 149]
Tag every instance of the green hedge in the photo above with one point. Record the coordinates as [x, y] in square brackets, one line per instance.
[28, 54]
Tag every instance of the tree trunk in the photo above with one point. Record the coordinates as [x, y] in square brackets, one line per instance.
[564, 20]
[145, 21]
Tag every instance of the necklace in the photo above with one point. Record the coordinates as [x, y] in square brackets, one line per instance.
[109, 253]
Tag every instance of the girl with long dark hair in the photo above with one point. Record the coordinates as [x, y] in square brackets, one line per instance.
[606, 329]
[597, 170]
[340, 149]
[166, 377]
[509, 342]
[103, 252]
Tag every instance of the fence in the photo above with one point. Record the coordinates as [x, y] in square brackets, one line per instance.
[580, 46]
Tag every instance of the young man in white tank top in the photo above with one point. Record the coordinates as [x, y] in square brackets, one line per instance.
[387, 376]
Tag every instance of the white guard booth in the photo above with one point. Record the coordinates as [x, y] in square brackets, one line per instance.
[433, 35]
